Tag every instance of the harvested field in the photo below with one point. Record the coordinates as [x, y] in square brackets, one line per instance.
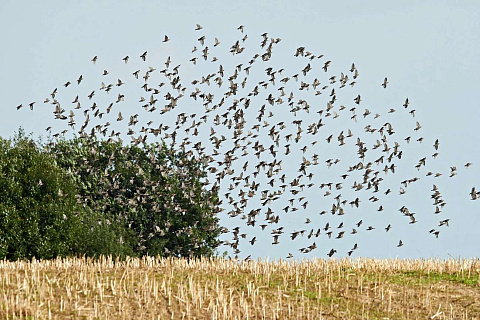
[151, 288]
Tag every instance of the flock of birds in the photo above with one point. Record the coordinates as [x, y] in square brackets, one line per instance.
[270, 144]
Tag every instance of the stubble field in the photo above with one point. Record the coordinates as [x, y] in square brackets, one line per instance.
[151, 288]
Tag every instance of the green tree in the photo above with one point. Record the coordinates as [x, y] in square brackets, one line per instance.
[38, 210]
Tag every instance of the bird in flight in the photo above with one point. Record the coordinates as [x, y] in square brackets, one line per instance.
[384, 84]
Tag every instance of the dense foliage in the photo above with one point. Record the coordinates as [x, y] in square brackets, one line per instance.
[93, 197]
[37, 203]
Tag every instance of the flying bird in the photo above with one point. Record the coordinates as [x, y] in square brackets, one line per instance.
[384, 84]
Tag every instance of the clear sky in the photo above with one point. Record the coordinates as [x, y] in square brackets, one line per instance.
[428, 50]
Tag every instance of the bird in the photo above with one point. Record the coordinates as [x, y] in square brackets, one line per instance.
[331, 253]
[444, 222]
[384, 84]
[473, 194]
[357, 99]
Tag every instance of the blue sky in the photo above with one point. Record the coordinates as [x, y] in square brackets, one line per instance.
[428, 50]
